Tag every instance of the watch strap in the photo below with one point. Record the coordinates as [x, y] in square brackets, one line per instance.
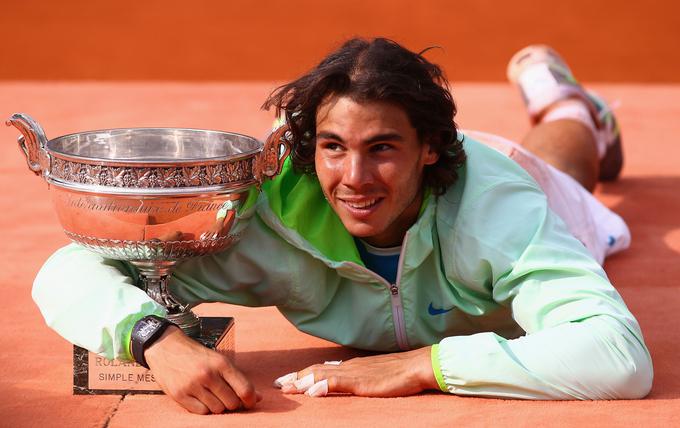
[144, 333]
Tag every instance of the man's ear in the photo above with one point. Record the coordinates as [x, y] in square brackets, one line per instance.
[430, 156]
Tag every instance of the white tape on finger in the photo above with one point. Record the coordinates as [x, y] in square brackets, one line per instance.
[333, 363]
[285, 380]
[305, 383]
[319, 389]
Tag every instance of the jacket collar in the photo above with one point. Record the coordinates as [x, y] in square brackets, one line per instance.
[293, 205]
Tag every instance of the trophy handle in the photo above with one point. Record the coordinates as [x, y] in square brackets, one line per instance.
[269, 162]
[32, 142]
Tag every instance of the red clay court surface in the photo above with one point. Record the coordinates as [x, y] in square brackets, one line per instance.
[35, 363]
[604, 40]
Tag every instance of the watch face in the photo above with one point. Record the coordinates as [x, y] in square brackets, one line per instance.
[148, 327]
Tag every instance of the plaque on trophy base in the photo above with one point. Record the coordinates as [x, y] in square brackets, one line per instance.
[96, 375]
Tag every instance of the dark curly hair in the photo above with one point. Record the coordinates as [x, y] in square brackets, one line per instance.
[376, 70]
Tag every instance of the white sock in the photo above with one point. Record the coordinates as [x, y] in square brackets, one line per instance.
[575, 109]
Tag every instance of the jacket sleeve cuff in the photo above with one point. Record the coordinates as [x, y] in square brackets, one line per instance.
[436, 368]
[125, 353]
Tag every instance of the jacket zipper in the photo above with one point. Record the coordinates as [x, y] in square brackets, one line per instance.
[397, 308]
[398, 315]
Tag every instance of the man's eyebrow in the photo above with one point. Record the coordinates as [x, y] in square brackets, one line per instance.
[388, 136]
[328, 135]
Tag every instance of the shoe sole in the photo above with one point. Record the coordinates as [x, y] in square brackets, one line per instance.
[531, 55]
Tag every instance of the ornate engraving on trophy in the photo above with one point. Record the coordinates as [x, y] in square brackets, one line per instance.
[152, 178]
[137, 206]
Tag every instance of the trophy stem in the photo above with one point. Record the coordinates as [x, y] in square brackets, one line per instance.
[154, 279]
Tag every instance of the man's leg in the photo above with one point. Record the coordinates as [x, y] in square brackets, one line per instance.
[569, 146]
[575, 130]
[600, 230]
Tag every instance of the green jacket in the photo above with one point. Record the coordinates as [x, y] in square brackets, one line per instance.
[484, 264]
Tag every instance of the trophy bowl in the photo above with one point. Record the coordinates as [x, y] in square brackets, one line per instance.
[152, 196]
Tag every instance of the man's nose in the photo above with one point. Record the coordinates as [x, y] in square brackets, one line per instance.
[357, 171]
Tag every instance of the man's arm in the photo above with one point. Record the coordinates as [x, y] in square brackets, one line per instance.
[92, 302]
[581, 343]
[588, 360]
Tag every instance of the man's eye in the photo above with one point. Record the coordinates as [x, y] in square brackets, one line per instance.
[334, 147]
[381, 147]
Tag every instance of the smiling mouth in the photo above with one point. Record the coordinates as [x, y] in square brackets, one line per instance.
[363, 204]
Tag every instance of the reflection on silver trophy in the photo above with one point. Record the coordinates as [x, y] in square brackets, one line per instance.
[151, 196]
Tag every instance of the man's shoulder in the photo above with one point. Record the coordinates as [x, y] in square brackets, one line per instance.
[490, 187]
[490, 214]
[484, 168]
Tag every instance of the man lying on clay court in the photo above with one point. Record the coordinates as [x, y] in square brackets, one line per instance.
[473, 263]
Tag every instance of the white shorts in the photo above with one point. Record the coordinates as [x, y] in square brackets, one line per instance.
[602, 231]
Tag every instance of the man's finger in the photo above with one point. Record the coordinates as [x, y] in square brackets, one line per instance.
[241, 386]
[285, 380]
[342, 384]
[331, 384]
[213, 403]
[299, 386]
[220, 389]
[289, 378]
[319, 389]
[193, 405]
[319, 370]
[303, 384]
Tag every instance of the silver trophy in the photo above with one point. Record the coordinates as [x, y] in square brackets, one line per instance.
[152, 196]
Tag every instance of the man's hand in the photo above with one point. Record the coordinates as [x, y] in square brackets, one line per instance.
[389, 375]
[201, 380]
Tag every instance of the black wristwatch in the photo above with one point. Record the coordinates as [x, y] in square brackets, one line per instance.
[145, 332]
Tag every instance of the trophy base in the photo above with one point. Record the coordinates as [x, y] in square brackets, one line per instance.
[96, 375]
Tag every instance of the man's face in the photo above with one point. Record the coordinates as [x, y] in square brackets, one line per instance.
[370, 165]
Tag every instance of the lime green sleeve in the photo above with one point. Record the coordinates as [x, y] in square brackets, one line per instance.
[437, 370]
[581, 340]
[91, 301]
